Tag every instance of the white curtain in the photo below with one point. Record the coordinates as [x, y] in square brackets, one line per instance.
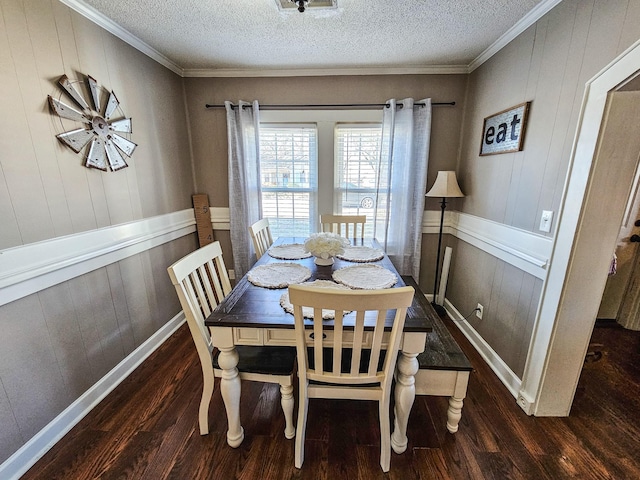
[403, 161]
[245, 198]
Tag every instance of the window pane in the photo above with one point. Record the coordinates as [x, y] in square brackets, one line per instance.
[288, 173]
[356, 160]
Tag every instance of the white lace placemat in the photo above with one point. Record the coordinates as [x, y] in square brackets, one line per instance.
[291, 251]
[366, 277]
[278, 275]
[361, 254]
[308, 311]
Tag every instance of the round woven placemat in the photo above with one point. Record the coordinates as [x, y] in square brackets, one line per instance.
[365, 277]
[291, 251]
[361, 254]
[308, 311]
[278, 275]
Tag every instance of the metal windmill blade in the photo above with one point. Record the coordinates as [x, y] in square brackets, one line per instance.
[107, 145]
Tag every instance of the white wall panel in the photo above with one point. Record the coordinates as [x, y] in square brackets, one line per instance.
[11, 438]
[19, 161]
[47, 63]
[116, 288]
[28, 368]
[63, 330]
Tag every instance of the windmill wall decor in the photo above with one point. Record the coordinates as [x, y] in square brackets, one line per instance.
[104, 124]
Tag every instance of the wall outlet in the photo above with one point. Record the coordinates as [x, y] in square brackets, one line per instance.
[479, 311]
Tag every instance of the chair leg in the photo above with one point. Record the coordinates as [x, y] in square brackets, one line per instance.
[385, 435]
[286, 394]
[207, 393]
[303, 409]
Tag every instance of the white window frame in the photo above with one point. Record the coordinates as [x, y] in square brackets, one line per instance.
[326, 121]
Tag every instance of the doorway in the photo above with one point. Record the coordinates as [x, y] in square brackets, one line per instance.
[590, 216]
[621, 298]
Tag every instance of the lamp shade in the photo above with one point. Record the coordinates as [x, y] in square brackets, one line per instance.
[446, 185]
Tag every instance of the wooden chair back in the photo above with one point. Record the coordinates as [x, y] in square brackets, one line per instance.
[201, 281]
[334, 338]
[349, 226]
[350, 362]
[261, 236]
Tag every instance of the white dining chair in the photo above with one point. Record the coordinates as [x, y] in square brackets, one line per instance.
[201, 281]
[346, 225]
[261, 236]
[335, 361]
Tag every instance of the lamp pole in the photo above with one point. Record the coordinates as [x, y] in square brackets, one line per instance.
[439, 308]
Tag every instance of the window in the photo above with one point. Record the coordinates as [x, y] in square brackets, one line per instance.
[315, 162]
[288, 172]
[356, 163]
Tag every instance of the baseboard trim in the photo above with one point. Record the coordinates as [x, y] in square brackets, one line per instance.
[23, 459]
[499, 367]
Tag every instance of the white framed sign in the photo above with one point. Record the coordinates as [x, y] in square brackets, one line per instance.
[503, 132]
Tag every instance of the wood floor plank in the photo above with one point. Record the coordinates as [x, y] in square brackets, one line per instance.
[147, 428]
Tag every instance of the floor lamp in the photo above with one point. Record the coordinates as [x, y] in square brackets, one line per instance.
[445, 186]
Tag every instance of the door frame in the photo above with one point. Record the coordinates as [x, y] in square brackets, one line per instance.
[572, 292]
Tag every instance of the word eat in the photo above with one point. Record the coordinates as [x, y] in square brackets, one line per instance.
[501, 136]
[504, 131]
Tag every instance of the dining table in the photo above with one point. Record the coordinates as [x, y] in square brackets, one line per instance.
[253, 315]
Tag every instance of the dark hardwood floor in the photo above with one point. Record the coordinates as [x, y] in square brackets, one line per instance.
[147, 428]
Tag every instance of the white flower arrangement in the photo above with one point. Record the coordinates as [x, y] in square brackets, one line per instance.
[325, 244]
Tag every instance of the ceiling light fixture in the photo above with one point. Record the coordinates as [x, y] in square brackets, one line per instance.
[291, 6]
[301, 4]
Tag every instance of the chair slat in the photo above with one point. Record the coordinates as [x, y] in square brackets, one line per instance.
[318, 342]
[357, 346]
[376, 344]
[352, 223]
[337, 342]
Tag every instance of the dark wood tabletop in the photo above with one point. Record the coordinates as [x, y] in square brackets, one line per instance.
[249, 305]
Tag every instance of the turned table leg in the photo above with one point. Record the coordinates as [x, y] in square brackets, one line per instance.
[405, 394]
[230, 391]
[454, 414]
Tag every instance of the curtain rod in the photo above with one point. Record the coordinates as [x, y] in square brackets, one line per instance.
[329, 106]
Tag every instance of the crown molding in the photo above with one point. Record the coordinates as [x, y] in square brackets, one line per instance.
[325, 72]
[525, 22]
[110, 26]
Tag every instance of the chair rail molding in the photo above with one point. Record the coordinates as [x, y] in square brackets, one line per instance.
[525, 250]
[28, 269]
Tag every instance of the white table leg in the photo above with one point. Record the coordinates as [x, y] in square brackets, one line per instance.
[287, 402]
[405, 394]
[454, 414]
[230, 390]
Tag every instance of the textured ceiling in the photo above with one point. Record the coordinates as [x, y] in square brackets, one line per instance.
[256, 34]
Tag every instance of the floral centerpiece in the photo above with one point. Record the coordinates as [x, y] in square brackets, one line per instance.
[324, 246]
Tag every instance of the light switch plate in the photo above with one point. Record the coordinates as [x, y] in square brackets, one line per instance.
[545, 220]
